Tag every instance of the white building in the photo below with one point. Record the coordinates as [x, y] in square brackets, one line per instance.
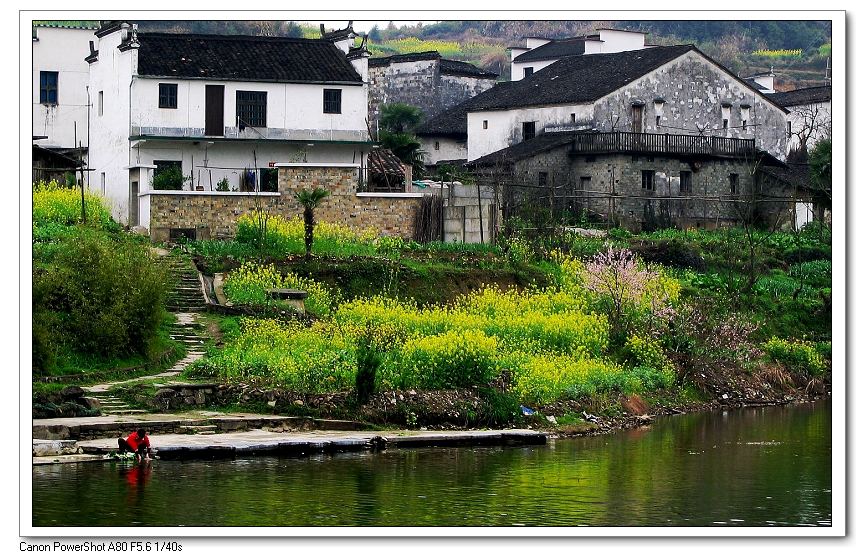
[810, 116]
[223, 109]
[60, 77]
[539, 52]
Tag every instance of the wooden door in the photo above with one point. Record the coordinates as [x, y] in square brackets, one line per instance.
[214, 110]
[133, 204]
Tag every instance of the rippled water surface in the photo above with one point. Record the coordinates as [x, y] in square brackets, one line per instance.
[752, 467]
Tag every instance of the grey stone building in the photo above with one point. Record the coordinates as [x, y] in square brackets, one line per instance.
[425, 80]
[640, 181]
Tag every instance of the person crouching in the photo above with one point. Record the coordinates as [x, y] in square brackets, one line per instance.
[137, 443]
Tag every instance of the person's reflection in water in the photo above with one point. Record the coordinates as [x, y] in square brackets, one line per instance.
[136, 477]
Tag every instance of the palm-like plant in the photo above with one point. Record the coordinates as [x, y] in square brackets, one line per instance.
[309, 199]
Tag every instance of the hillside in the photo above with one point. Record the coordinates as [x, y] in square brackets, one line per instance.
[797, 50]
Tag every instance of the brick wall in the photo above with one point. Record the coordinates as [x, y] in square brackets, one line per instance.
[215, 214]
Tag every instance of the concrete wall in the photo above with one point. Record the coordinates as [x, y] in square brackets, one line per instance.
[616, 187]
[810, 122]
[62, 51]
[448, 149]
[505, 127]
[465, 215]
[109, 152]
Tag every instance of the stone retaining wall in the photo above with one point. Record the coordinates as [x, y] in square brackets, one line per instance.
[214, 214]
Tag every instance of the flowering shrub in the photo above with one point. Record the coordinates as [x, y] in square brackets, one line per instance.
[797, 355]
[249, 285]
[656, 370]
[286, 235]
[57, 204]
[542, 379]
[632, 295]
[449, 360]
[287, 355]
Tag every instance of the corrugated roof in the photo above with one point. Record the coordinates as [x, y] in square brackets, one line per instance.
[239, 57]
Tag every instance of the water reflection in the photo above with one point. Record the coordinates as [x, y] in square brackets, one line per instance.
[755, 467]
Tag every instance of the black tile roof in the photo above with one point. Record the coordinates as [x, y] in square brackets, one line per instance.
[452, 122]
[383, 161]
[806, 95]
[449, 67]
[541, 143]
[580, 79]
[554, 50]
[237, 57]
[382, 61]
[455, 67]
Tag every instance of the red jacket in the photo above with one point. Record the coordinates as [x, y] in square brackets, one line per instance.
[134, 441]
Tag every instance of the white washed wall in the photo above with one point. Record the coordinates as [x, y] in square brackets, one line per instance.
[62, 51]
[449, 149]
[505, 127]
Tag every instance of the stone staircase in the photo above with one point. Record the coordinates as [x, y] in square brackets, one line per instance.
[186, 301]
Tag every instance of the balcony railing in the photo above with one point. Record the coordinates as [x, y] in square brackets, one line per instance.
[661, 143]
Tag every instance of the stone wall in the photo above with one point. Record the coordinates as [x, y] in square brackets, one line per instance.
[420, 83]
[612, 184]
[215, 214]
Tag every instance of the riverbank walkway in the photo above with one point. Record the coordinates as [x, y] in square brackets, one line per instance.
[204, 434]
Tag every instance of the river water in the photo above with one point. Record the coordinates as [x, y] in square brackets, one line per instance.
[749, 467]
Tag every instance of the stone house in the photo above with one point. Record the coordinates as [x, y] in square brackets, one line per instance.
[638, 181]
[425, 80]
[226, 110]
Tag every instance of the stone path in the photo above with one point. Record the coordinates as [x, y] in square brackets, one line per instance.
[260, 442]
[186, 300]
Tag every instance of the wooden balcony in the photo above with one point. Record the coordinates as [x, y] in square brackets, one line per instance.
[661, 144]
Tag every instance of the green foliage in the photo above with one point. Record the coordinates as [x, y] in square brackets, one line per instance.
[287, 236]
[96, 294]
[820, 162]
[797, 355]
[222, 185]
[170, 178]
[399, 117]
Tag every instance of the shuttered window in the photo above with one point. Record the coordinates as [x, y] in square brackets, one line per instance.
[252, 109]
[167, 95]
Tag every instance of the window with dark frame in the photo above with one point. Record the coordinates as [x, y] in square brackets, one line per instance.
[333, 101]
[251, 109]
[585, 183]
[167, 95]
[486, 123]
[789, 130]
[528, 71]
[726, 123]
[437, 146]
[268, 179]
[162, 166]
[685, 180]
[734, 184]
[48, 87]
[648, 180]
[543, 178]
[573, 117]
[528, 130]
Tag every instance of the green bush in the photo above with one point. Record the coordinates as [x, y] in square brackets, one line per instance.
[171, 178]
[55, 205]
[797, 355]
[98, 294]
